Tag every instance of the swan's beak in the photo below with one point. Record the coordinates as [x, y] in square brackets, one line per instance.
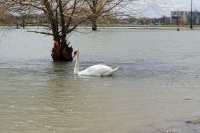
[74, 56]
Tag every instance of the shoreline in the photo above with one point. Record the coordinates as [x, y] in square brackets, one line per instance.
[134, 27]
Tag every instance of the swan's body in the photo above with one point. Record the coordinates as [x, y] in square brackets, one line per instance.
[96, 70]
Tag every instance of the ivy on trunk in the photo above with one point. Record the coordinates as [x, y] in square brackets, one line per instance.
[61, 52]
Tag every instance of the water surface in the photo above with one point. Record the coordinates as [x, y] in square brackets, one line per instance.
[155, 90]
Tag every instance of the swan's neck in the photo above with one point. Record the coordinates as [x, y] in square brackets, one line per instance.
[76, 67]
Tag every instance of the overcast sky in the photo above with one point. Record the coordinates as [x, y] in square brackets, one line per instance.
[156, 8]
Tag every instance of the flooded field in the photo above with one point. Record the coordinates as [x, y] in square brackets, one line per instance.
[156, 90]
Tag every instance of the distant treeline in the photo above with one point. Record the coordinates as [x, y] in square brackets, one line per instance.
[40, 20]
[7, 18]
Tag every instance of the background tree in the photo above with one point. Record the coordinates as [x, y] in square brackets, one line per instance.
[99, 8]
[63, 17]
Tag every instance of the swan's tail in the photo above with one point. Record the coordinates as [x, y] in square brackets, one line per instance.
[115, 69]
[110, 73]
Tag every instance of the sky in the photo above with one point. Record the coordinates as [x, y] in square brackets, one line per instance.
[157, 8]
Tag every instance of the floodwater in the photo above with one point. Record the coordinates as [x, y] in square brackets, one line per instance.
[156, 89]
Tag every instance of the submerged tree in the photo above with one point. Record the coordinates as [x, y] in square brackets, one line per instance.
[99, 8]
[63, 17]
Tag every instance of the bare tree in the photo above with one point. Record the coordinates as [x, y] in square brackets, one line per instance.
[63, 17]
[99, 8]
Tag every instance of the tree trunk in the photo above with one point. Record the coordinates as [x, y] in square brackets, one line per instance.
[94, 25]
[61, 52]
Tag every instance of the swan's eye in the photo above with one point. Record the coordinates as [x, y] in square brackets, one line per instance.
[75, 52]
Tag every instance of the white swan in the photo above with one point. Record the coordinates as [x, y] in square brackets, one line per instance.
[96, 70]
